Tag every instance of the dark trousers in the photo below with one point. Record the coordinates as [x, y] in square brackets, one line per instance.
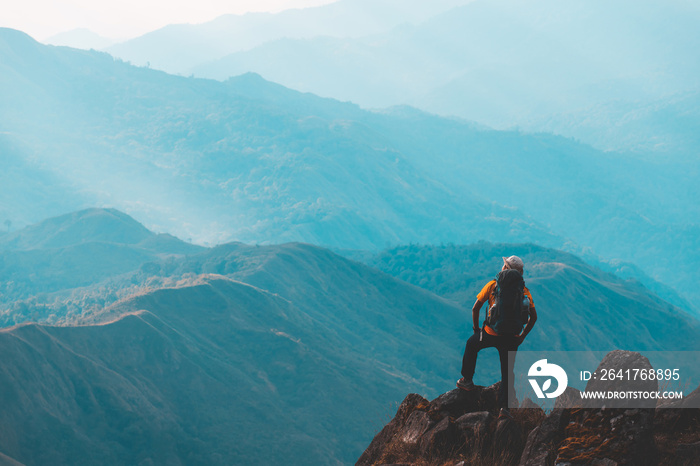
[503, 344]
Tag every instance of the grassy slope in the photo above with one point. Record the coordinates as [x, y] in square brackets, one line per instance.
[221, 372]
[82, 249]
[579, 307]
[291, 361]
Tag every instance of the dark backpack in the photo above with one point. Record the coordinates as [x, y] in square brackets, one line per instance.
[510, 309]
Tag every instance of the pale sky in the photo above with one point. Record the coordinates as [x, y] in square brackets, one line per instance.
[122, 19]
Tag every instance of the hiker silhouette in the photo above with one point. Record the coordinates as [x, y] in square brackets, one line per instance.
[510, 308]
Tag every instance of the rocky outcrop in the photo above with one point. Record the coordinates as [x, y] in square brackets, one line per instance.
[618, 433]
[677, 430]
[618, 362]
[571, 398]
[397, 430]
[461, 428]
[538, 448]
[456, 425]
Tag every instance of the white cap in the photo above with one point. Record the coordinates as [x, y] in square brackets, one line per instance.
[514, 262]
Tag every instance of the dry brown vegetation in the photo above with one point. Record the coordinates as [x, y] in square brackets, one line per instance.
[588, 439]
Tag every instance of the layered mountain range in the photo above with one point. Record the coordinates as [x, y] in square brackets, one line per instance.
[251, 354]
[597, 71]
[59, 259]
[252, 161]
[206, 368]
[178, 48]
[245, 160]
[330, 254]
[214, 371]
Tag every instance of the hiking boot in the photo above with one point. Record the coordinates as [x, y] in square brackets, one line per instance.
[505, 414]
[465, 384]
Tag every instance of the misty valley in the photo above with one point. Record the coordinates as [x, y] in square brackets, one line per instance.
[246, 241]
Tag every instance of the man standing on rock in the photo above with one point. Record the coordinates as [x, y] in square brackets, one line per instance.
[510, 307]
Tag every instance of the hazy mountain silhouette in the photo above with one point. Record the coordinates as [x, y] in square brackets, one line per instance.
[75, 250]
[91, 225]
[253, 161]
[178, 48]
[621, 206]
[246, 159]
[80, 38]
[506, 63]
[666, 126]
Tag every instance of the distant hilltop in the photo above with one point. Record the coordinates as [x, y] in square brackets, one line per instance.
[89, 225]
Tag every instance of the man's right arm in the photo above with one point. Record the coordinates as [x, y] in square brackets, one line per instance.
[475, 314]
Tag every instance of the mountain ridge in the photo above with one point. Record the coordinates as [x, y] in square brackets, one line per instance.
[250, 161]
[227, 355]
[250, 345]
[106, 225]
[244, 155]
[47, 263]
[228, 33]
[530, 64]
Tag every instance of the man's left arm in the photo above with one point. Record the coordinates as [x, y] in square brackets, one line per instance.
[528, 327]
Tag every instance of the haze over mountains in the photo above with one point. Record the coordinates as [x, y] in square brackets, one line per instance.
[246, 159]
[178, 48]
[249, 160]
[48, 268]
[598, 71]
[80, 38]
[251, 354]
[124, 344]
